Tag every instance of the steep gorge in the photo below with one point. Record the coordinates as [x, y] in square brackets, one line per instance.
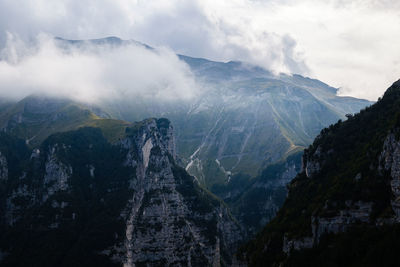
[108, 204]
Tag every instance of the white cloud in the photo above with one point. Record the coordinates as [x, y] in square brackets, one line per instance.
[352, 44]
[348, 44]
[93, 73]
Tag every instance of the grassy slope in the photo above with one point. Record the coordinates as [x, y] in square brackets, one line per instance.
[37, 126]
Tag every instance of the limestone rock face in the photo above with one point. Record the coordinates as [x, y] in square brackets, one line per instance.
[312, 163]
[165, 224]
[153, 211]
[358, 212]
[57, 173]
[336, 222]
[3, 168]
[390, 159]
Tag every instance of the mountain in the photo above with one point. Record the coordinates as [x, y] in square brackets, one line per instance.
[241, 137]
[253, 201]
[80, 199]
[247, 120]
[83, 184]
[342, 209]
[244, 119]
[34, 118]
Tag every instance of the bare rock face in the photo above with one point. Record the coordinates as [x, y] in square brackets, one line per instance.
[296, 244]
[165, 225]
[337, 222]
[390, 160]
[57, 173]
[355, 212]
[3, 168]
[154, 212]
[312, 163]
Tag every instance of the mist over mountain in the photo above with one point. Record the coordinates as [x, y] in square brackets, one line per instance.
[233, 120]
[199, 133]
[235, 140]
[100, 70]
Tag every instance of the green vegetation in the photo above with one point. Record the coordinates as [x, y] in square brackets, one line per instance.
[113, 130]
[82, 224]
[35, 118]
[89, 223]
[346, 149]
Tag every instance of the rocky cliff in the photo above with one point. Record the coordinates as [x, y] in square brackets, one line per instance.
[170, 220]
[80, 200]
[346, 198]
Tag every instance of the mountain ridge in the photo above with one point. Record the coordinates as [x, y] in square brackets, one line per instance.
[247, 120]
[347, 191]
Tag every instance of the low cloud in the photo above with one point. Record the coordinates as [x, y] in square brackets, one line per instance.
[92, 73]
[351, 44]
[218, 31]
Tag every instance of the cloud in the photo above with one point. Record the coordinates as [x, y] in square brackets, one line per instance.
[196, 28]
[219, 30]
[348, 44]
[351, 44]
[92, 73]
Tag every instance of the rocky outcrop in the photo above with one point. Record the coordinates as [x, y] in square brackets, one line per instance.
[155, 213]
[163, 226]
[296, 244]
[14, 209]
[311, 163]
[3, 168]
[57, 173]
[390, 161]
[331, 222]
[355, 212]
[345, 202]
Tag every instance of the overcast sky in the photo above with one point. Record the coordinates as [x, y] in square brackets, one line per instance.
[353, 44]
